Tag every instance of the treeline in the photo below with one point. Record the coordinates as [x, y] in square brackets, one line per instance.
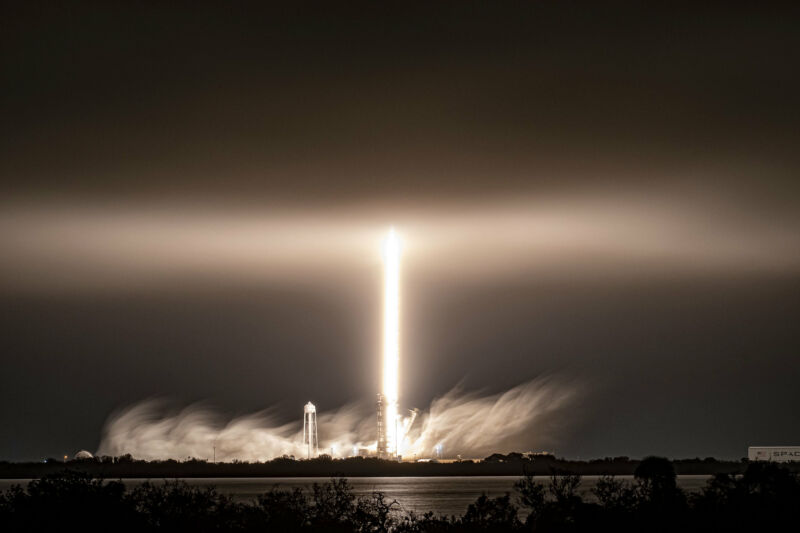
[765, 497]
[513, 464]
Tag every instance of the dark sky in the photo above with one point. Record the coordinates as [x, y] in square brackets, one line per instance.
[192, 200]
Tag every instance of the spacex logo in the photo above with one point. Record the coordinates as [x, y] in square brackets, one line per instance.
[774, 453]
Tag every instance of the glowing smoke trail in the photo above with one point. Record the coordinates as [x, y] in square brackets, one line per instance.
[391, 338]
[528, 416]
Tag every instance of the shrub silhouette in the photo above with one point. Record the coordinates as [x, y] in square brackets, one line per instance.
[490, 514]
[765, 497]
[532, 495]
[375, 514]
[281, 510]
[613, 494]
[657, 479]
[177, 506]
[49, 503]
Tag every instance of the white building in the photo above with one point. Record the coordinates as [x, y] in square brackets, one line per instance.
[778, 454]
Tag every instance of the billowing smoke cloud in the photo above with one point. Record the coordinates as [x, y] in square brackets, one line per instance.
[463, 423]
[469, 424]
[148, 431]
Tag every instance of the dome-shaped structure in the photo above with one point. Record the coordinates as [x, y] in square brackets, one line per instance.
[83, 454]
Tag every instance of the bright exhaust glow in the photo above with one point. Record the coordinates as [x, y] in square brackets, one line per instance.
[391, 337]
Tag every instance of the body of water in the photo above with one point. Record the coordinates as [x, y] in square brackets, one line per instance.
[442, 495]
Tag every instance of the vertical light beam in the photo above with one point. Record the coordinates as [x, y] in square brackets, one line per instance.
[391, 335]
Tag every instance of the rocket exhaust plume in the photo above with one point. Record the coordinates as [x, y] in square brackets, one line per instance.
[389, 426]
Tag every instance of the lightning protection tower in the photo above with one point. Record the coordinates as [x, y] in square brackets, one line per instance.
[310, 438]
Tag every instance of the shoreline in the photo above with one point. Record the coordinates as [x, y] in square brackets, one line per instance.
[356, 467]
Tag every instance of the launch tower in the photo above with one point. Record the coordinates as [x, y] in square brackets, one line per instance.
[383, 450]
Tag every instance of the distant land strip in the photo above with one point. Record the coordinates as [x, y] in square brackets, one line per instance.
[495, 465]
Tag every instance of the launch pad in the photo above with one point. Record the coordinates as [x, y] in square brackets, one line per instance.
[391, 429]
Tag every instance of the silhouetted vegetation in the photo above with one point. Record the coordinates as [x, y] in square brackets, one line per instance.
[765, 497]
[512, 464]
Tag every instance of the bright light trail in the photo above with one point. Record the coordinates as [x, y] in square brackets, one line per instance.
[391, 336]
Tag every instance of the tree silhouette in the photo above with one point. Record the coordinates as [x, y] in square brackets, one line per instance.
[766, 497]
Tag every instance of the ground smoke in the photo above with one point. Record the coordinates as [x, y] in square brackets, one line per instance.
[463, 423]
